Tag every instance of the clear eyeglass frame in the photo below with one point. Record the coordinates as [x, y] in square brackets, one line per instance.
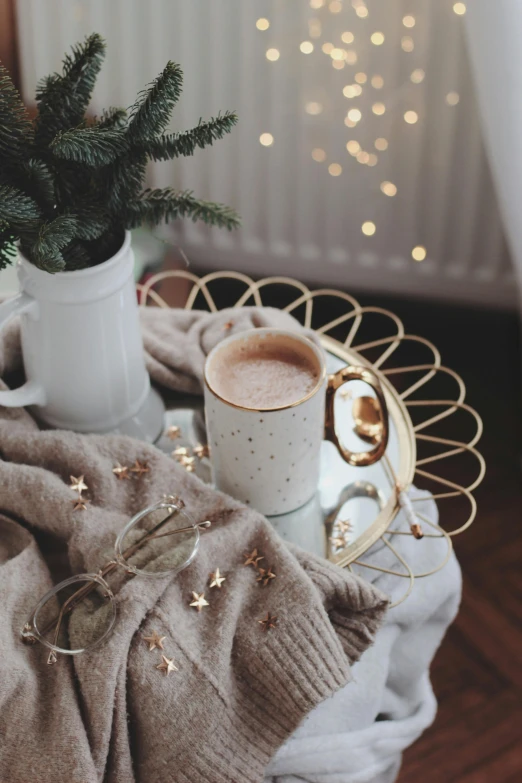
[33, 633]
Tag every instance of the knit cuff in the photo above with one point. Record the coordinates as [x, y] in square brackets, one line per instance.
[356, 608]
[287, 675]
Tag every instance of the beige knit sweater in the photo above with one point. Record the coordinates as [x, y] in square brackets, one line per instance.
[110, 715]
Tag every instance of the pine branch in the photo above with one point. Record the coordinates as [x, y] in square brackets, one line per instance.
[150, 114]
[112, 118]
[16, 130]
[77, 257]
[124, 181]
[40, 183]
[203, 135]
[92, 221]
[167, 204]
[18, 210]
[7, 245]
[92, 146]
[63, 99]
[46, 252]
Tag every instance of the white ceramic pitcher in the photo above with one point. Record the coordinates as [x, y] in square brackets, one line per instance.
[82, 349]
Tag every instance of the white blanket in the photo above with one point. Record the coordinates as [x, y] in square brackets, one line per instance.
[359, 734]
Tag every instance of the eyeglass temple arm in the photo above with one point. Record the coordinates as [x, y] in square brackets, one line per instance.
[84, 591]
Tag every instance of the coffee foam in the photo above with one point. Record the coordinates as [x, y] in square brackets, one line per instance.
[264, 371]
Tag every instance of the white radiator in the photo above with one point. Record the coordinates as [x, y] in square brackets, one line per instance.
[299, 219]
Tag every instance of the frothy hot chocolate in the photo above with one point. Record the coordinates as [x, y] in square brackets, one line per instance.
[263, 372]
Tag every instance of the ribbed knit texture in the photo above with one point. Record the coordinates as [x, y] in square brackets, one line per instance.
[110, 714]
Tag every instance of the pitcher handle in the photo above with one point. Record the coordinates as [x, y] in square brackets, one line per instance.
[31, 393]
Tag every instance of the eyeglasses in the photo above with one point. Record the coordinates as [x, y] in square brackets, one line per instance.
[79, 613]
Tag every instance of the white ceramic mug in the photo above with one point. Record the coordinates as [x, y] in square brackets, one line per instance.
[269, 458]
[82, 349]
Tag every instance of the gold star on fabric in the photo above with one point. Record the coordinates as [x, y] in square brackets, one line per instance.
[121, 471]
[173, 433]
[216, 580]
[344, 525]
[268, 622]
[179, 453]
[140, 468]
[252, 559]
[265, 576]
[188, 463]
[201, 451]
[167, 665]
[80, 504]
[154, 640]
[199, 601]
[78, 484]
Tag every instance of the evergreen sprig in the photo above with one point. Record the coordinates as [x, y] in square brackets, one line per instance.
[70, 186]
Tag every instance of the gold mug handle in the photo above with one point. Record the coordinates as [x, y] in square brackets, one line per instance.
[351, 373]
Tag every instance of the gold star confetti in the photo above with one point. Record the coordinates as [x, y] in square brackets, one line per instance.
[173, 433]
[199, 601]
[253, 559]
[121, 471]
[338, 541]
[216, 580]
[344, 525]
[268, 622]
[188, 463]
[154, 640]
[180, 452]
[167, 665]
[201, 451]
[228, 325]
[78, 484]
[346, 394]
[140, 468]
[80, 504]
[265, 576]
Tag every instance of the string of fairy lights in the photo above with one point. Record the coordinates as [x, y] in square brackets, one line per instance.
[345, 54]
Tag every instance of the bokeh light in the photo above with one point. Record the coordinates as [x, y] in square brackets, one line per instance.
[381, 144]
[418, 253]
[368, 228]
[388, 188]
[319, 155]
[306, 47]
[334, 169]
[452, 98]
[312, 107]
[378, 108]
[411, 117]
[377, 39]
[266, 139]
[262, 24]
[272, 55]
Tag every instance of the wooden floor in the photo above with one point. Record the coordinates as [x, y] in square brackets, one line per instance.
[477, 673]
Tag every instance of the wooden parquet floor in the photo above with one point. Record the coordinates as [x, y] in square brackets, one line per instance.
[477, 672]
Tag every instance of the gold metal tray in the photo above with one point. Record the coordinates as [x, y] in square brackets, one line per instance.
[422, 426]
